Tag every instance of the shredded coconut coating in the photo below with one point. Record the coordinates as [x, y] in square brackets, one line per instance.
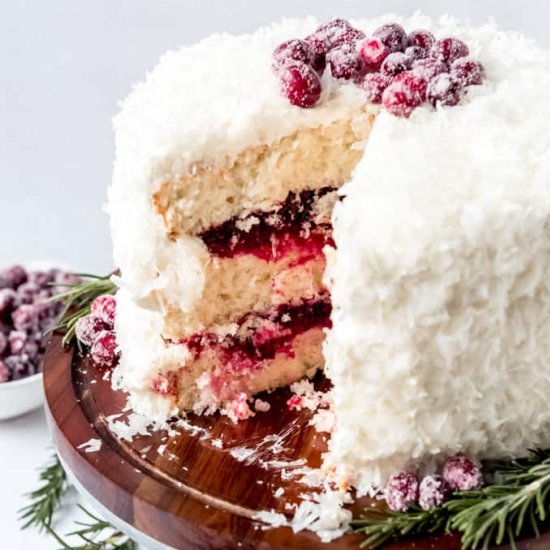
[441, 325]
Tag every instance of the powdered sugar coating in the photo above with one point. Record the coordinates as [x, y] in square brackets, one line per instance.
[433, 491]
[401, 491]
[462, 473]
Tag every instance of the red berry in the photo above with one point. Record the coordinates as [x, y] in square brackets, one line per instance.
[331, 31]
[445, 89]
[297, 50]
[421, 38]
[398, 101]
[104, 307]
[372, 51]
[88, 328]
[17, 340]
[300, 84]
[433, 491]
[4, 372]
[348, 36]
[393, 36]
[41, 278]
[26, 317]
[449, 49]
[413, 83]
[8, 302]
[428, 68]
[401, 491]
[3, 343]
[374, 85]
[345, 63]
[396, 63]
[319, 50]
[416, 52]
[462, 473]
[14, 276]
[28, 292]
[103, 350]
[469, 71]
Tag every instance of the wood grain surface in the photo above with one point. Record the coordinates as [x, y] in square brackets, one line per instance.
[178, 486]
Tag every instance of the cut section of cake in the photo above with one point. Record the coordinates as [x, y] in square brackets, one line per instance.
[220, 208]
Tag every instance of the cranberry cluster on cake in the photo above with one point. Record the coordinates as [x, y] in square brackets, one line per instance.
[402, 71]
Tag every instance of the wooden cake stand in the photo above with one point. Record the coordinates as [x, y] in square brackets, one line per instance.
[196, 487]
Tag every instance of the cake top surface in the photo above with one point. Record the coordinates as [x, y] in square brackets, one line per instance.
[220, 96]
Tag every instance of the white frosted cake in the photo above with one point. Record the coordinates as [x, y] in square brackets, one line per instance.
[431, 319]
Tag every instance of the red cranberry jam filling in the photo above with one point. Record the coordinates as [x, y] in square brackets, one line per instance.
[438, 72]
[261, 336]
[271, 235]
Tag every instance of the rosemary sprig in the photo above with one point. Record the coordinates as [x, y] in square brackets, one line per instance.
[77, 301]
[45, 500]
[96, 534]
[517, 502]
[93, 538]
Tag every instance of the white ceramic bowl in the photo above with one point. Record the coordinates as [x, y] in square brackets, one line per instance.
[21, 396]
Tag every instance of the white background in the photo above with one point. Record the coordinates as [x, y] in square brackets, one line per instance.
[63, 66]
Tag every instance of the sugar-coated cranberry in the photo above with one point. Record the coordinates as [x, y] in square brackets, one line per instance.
[393, 36]
[15, 275]
[20, 366]
[350, 35]
[374, 85]
[398, 100]
[396, 63]
[429, 68]
[345, 63]
[17, 340]
[300, 84]
[401, 491]
[26, 317]
[416, 52]
[331, 31]
[104, 307]
[103, 350]
[4, 372]
[373, 51]
[449, 49]
[413, 83]
[88, 328]
[8, 302]
[297, 50]
[469, 71]
[3, 343]
[319, 50]
[422, 38]
[433, 491]
[445, 89]
[462, 473]
[28, 292]
[41, 278]
[64, 279]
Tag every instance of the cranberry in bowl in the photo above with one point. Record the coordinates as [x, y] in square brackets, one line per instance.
[27, 316]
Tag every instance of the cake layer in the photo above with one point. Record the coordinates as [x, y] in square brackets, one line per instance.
[441, 325]
[206, 383]
[235, 286]
[259, 177]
